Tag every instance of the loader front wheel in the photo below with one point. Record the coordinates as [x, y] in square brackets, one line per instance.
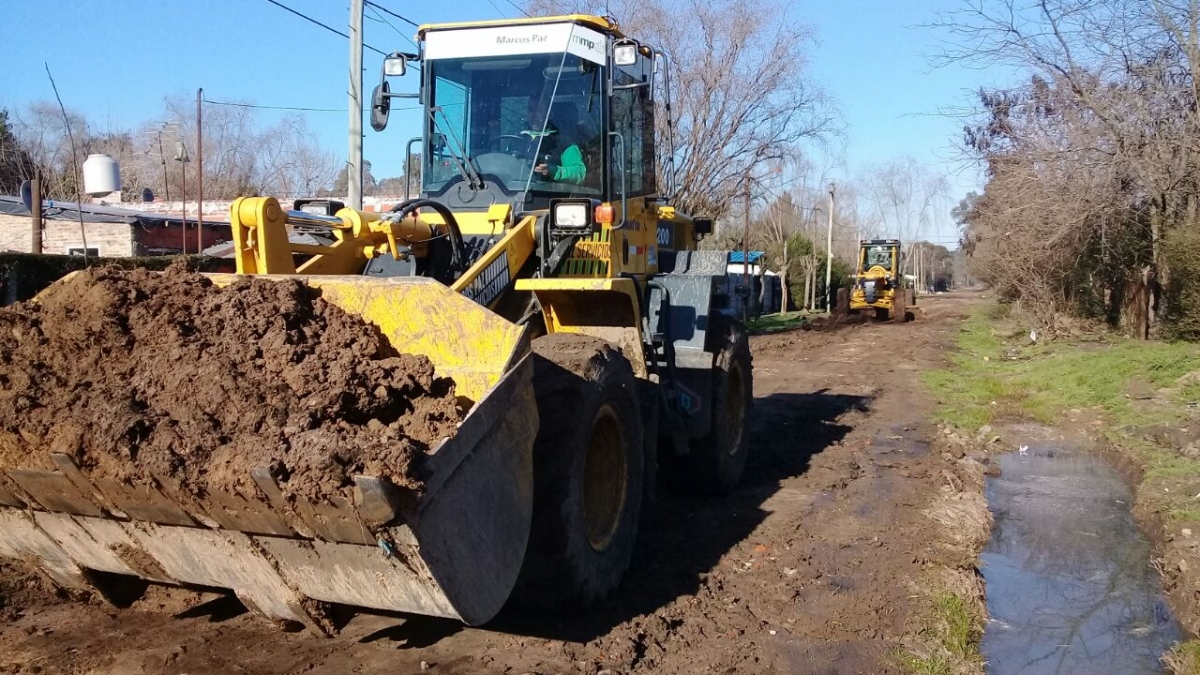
[588, 473]
[716, 461]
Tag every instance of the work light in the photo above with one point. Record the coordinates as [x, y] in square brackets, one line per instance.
[572, 215]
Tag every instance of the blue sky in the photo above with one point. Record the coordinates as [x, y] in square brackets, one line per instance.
[116, 61]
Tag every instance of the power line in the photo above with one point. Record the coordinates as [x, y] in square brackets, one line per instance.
[406, 20]
[496, 7]
[518, 8]
[275, 107]
[322, 25]
[293, 108]
[380, 18]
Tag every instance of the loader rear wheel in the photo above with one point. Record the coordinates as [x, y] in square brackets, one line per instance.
[588, 473]
[715, 462]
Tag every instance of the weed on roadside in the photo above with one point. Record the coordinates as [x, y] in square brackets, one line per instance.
[775, 323]
[992, 378]
[1184, 658]
[956, 632]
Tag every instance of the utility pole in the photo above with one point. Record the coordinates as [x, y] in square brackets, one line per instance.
[829, 256]
[181, 156]
[163, 158]
[746, 256]
[199, 171]
[354, 183]
[35, 208]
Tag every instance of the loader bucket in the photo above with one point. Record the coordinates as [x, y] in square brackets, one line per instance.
[454, 551]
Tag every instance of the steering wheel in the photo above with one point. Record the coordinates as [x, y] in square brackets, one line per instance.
[495, 143]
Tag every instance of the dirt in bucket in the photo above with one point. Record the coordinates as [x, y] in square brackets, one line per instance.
[139, 375]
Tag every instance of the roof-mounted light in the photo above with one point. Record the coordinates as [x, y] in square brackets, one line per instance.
[625, 54]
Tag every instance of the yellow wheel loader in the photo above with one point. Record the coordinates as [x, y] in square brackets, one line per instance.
[543, 269]
[879, 282]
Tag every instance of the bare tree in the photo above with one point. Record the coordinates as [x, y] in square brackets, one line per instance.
[905, 197]
[291, 161]
[16, 164]
[40, 130]
[1106, 129]
[742, 94]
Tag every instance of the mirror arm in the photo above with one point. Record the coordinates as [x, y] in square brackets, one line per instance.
[408, 162]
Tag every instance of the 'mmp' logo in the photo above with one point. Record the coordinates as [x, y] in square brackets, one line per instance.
[579, 39]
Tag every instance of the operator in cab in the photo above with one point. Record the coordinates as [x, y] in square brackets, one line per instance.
[559, 157]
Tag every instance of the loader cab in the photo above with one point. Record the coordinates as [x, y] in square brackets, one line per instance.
[529, 112]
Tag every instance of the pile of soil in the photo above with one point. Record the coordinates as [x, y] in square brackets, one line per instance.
[139, 375]
[21, 588]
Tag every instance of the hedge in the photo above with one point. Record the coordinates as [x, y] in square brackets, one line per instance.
[24, 275]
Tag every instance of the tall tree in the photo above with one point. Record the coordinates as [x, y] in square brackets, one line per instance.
[16, 165]
[743, 97]
[1093, 160]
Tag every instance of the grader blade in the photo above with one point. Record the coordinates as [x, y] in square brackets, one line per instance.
[452, 551]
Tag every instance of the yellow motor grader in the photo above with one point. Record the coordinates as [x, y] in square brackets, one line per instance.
[543, 269]
[880, 283]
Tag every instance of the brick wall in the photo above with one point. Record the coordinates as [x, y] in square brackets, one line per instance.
[115, 240]
[169, 237]
[112, 239]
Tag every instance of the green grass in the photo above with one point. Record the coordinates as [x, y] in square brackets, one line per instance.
[996, 374]
[773, 323]
[1184, 658]
[993, 378]
[963, 628]
[926, 665]
[957, 633]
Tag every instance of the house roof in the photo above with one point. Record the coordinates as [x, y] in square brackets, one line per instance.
[736, 256]
[54, 209]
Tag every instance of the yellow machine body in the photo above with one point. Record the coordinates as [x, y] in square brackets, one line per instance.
[457, 551]
[879, 283]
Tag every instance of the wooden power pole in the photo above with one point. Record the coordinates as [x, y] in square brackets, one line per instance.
[354, 184]
[35, 207]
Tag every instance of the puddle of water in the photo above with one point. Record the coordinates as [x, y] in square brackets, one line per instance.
[1070, 588]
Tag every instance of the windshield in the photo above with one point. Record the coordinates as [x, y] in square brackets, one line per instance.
[530, 122]
[877, 255]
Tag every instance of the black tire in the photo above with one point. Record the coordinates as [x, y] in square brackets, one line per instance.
[881, 314]
[843, 301]
[716, 461]
[588, 463]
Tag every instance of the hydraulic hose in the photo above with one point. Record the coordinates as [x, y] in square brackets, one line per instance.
[458, 246]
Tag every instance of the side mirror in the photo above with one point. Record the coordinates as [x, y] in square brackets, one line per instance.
[702, 225]
[381, 106]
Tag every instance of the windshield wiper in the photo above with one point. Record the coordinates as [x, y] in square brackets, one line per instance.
[464, 163]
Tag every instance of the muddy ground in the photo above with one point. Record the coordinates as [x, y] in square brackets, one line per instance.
[822, 562]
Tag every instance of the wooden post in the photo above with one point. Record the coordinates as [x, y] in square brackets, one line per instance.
[199, 172]
[35, 207]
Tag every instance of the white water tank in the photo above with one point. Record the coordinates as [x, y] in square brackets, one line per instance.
[101, 175]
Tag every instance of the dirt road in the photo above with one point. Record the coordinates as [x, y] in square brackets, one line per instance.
[822, 562]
